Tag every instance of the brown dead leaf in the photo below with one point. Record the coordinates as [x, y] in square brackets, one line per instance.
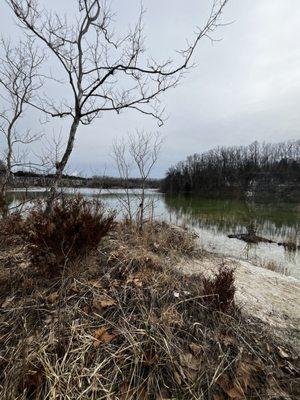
[124, 391]
[85, 309]
[189, 361]
[244, 373]
[48, 320]
[53, 297]
[37, 378]
[30, 339]
[107, 302]
[28, 283]
[134, 281]
[170, 316]
[153, 317]
[102, 302]
[195, 348]
[97, 305]
[102, 335]
[34, 380]
[236, 392]
[137, 283]
[74, 289]
[24, 265]
[217, 396]
[227, 339]
[232, 388]
[223, 382]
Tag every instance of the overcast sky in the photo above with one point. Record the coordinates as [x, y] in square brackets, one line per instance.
[245, 87]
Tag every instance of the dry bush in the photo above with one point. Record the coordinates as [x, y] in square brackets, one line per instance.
[11, 229]
[220, 289]
[275, 267]
[12, 224]
[291, 243]
[72, 228]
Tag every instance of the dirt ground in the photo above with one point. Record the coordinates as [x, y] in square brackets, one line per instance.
[267, 295]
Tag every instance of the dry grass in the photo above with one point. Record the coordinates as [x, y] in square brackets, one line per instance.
[291, 243]
[158, 238]
[129, 327]
[275, 267]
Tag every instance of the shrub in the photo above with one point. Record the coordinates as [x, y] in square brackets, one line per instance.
[72, 228]
[219, 290]
[11, 228]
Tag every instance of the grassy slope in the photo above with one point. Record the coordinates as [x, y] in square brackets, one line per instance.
[122, 323]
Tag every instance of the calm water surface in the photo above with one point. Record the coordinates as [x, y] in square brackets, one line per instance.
[214, 220]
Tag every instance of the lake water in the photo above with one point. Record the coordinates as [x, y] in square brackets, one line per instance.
[214, 220]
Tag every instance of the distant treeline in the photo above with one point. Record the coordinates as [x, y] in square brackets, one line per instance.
[108, 182]
[234, 169]
[30, 174]
[29, 178]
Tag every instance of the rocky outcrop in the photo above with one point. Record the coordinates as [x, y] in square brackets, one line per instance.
[267, 187]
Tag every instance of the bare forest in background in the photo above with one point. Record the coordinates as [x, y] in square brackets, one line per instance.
[236, 169]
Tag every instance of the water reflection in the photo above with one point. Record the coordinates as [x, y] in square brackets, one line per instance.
[273, 221]
[214, 220]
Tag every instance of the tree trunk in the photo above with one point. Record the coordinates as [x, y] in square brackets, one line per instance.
[142, 207]
[3, 196]
[8, 173]
[3, 201]
[60, 166]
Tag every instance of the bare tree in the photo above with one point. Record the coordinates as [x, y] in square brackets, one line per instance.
[19, 81]
[103, 73]
[124, 166]
[144, 148]
[139, 153]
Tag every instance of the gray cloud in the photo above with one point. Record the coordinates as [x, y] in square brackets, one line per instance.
[245, 87]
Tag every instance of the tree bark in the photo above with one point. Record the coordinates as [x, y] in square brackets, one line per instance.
[60, 166]
[8, 173]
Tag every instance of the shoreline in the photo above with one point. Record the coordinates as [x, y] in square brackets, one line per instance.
[268, 295]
